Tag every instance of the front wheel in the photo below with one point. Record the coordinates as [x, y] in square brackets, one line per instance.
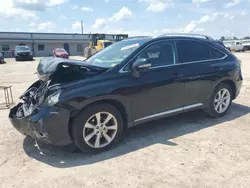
[97, 128]
[220, 101]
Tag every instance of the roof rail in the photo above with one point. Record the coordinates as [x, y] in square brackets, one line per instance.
[185, 34]
[134, 37]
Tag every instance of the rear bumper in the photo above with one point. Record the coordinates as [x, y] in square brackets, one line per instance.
[238, 87]
[48, 124]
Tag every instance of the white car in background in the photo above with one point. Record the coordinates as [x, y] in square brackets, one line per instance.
[235, 46]
[246, 45]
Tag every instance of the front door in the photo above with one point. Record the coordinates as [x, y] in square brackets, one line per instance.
[157, 91]
[66, 47]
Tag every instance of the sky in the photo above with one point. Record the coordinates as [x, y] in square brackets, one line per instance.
[134, 17]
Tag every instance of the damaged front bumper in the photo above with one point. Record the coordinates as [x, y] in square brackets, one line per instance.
[47, 123]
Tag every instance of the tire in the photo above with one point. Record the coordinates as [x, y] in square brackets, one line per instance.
[86, 138]
[211, 109]
[16, 59]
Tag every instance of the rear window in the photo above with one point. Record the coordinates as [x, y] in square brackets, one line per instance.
[190, 51]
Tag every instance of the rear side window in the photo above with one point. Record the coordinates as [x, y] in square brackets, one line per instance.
[189, 51]
[215, 54]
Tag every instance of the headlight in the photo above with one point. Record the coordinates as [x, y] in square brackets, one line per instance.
[54, 98]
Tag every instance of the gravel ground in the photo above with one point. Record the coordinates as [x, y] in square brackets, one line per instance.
[189, 150]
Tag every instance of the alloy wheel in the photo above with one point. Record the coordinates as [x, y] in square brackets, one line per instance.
[100, 129]
[222, 100]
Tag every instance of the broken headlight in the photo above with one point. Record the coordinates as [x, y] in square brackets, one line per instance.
[54, 98]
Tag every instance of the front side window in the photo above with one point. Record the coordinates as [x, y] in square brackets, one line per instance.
[191, 51]
[159, 54]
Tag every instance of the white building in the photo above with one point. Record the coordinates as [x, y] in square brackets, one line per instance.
[43, 44]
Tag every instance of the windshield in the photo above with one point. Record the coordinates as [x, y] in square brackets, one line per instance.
[19, 48]
[116, 53]
[106, 44]
[60, 50]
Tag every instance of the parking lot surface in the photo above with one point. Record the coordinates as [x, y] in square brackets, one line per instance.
[188, 150]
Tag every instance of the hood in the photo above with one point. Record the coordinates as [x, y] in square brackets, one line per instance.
[65, 70]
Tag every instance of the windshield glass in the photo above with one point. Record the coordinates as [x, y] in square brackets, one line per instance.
[106, 44]
[60, 50]
[19, 48]
[116, 53]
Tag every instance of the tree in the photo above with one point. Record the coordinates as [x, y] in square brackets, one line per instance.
[222, 38]
[247, 37]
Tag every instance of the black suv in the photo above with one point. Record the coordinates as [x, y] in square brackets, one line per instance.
[92, 102]
[23, 52]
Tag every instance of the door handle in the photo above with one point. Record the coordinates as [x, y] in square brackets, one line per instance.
[176, 75]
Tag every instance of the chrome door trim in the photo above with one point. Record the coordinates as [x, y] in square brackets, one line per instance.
[170, 111]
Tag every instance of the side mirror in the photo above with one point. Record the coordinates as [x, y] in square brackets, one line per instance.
[140, 64]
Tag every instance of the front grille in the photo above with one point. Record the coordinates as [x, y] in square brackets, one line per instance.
[24, 53]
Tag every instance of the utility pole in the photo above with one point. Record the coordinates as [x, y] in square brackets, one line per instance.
[82, 26]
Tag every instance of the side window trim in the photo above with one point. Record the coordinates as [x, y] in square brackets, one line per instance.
[161, 66]
[207, 60]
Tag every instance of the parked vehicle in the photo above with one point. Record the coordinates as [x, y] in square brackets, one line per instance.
[23, 52]
[96, 44]
[235, 46]
[60, 52]
[1, 58]
[246, 45]
[91, 103]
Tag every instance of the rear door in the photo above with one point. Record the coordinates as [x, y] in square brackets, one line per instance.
[199, 62]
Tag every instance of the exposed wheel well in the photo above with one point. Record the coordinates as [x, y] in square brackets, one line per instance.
[232, 85]
[119, 106]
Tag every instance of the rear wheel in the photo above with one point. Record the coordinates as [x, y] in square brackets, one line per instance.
[97, 128]
[220, 101]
